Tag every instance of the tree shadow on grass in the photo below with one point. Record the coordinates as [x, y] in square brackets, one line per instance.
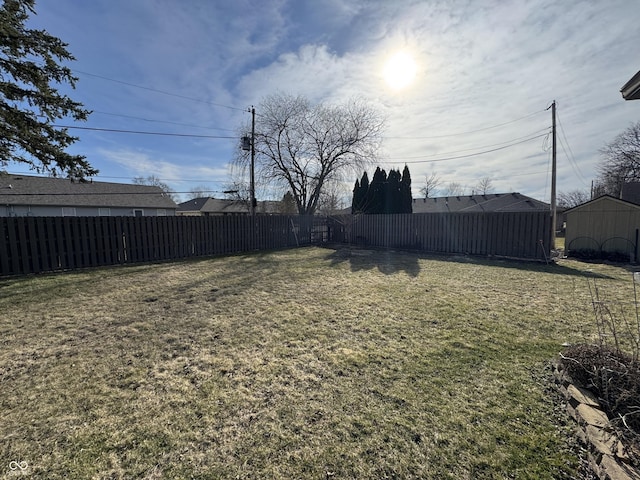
[388, 262]
[526, 265]
[393, 261]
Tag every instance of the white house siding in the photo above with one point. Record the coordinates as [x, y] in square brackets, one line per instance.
[57, 211]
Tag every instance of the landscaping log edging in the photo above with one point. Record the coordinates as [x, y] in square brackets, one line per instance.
[605, 451]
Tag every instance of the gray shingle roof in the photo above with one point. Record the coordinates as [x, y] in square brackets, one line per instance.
[495, 202]
[217, 206]
[213, 205]
[32, 190]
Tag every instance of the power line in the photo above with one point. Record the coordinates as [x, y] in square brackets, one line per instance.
[159, 91]
[161, 121]
[517, 175]
[183, 180]
[76, 194]
[201, 181]
[571, 157]
[485, 146]
[141, 133]
[444, 179]
[549, 162]
[471, 131]
[469, 155]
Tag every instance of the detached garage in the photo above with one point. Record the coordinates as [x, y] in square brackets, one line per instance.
[606, 227]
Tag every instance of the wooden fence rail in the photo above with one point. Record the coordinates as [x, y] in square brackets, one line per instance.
[522, 235]
[44, 244]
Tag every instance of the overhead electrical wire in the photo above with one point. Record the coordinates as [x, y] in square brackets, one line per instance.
[471, 131]
[549, 164]
[569, 153]
[465, 156]
[245, 110]
[166, 179]
[115, 130]
[66, 194]
[184, 180]
[161, 91]
[485, 146]
[503, 146]
[161, 121]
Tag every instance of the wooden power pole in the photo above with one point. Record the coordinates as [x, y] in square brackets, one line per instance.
[554, 216]
[252, 186]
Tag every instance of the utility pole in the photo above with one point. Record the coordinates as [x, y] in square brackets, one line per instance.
[252, 187]
[554, 217]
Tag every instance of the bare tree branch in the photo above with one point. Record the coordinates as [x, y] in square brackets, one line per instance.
[620, 161]
[301, 148]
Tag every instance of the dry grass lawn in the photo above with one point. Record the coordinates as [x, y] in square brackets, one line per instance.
[309, 363]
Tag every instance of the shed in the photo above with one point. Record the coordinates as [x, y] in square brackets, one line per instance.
[603, 227]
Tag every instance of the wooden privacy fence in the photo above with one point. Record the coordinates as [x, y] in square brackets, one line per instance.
[41, 244]
[522, 235]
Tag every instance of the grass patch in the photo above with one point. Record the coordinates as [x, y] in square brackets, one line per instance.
[308, 363]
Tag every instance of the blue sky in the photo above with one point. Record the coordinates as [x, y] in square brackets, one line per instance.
[485, 73]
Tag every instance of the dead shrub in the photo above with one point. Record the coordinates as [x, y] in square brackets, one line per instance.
[611, 367]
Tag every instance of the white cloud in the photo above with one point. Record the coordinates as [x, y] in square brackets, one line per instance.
[481, 63]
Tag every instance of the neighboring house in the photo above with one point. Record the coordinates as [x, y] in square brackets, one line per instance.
[25, 195]
[631, 89]
[494, 202]
[605, 225]
[208, 206]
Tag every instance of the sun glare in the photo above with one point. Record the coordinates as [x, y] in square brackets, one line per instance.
[400, 70]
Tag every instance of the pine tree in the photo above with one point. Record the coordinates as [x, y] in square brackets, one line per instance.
[360, 195]
[385, 194]
[364, 181]
[392, 192]
[365, 186]
[356, 200]
[405, 191]
[29, 104]
[376, 193]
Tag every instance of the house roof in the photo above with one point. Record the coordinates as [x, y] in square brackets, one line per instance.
[631, 89]
[495, 202]
[213, 205]
[32, 190]
[604, 198]
[631, 192]
[226, 206]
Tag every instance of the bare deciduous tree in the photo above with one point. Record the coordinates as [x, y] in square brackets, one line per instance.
[572, 198]
[332, 198]
[302, 147]
[154, 181]
[485, 186]
[199, 191]
[620, 161]
[432, 182]
[454, 189]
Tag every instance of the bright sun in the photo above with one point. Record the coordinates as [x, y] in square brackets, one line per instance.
[400, 70]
